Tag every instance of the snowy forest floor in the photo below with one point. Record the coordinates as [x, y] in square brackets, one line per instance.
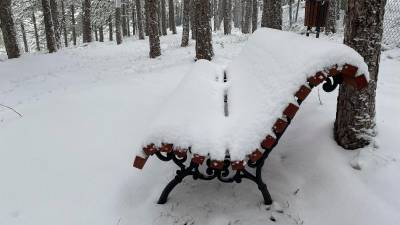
[68, 159]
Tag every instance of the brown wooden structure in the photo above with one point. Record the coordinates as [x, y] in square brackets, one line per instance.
[316, 12]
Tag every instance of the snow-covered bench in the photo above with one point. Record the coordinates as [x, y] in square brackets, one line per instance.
[223, 124]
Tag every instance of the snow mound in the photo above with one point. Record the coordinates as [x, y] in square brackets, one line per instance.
[261, 82]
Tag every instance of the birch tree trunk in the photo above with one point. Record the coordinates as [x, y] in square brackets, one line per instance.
[139, 19]
[204, 48]
[48, 26]
[86, 23]
[154, 40]
[56, 22]
[73, 24]
[36, 32]
[355, 117]
[171, 17]
[186, 29]
[254, 14]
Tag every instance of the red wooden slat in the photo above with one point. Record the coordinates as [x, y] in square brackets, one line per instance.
[166, 148]
[268, 143]
[198, 159]
[150, 149]
[181, 153]
[280, 126]
[215, 164]
[256, 155]
[291, 110]
[349, 71]
[303, 92]
[361, 82]
[139, 162]
[237, 165]
[317, 79]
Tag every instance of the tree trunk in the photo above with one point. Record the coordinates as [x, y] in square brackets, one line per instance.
[101, 33]
[171, 10]
[273, 17]
[64, 24]
[24, 37]
[331, 19]
[73, 24]
[163, 18]
[139, 19]
[110, 28]
[159, 18]
[247, 16]
[192, 18]
[123, 20]
[86, 23]
[185, 31]
[128, 26]
[133, 19]
[8, 29]
[227, 16]
[355, 117]
[290, 13]
[204, 48]
[237, 14]
[215, 14]
[154, 40]
[48, 26]
[56, 22]
[96, 36]
[118, 33]
[254, 16]
[35, 31]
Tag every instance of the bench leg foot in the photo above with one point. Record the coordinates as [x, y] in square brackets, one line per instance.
[170, 186]
[265, 193]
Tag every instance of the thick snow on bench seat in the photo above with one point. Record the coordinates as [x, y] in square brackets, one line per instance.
[261, 83]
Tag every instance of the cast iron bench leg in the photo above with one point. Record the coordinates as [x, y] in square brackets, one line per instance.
[170, 186]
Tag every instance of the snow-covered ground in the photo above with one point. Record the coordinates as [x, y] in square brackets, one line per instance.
[68, 159]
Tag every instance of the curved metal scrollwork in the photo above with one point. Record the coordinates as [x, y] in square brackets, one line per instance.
[225, 174]
[331, 83]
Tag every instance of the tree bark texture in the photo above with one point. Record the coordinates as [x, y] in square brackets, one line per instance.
[186, 29]
[86, 23]
[123, 21]
[48, 26]
[35, 29]
[133, 20]
[204, 48]
[56, 22]
[171, 17]
[139, 19]
[154, 39]
[227, 16]
[110, 28]
[254, 18]
[101, 33]
[73, 24]
[247, 17]
[8, 29]
[192, 19]
[64, 24]
[331, 19]
[355, 117]
[273, 10]
[215, 15]
[118, 32]
[163, 18]
[26, 48]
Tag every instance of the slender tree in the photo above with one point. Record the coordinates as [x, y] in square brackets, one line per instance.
[163, 18]
[227, 16]
[186, 29]
[247, 16]
[139, 19]
[215, 14]
[154, 40]
[86, 22]
[101, 33]
[73, 24]
[171, 17]
[64, 24]
[355, 117]
[56, 22]
[110, 28]
[8, 29]
[26, 48]
[118, 32]
[192, 19]
[254, 18]
[133, 19]
[48, 26]
[35, 29]
[204, 48]
[123, 21]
